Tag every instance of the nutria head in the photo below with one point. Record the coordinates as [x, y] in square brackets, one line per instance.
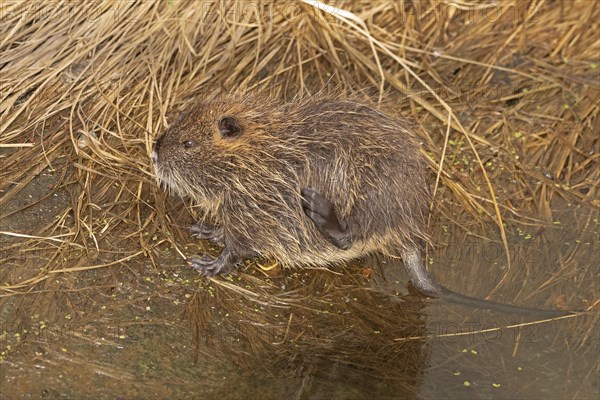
[222, 146]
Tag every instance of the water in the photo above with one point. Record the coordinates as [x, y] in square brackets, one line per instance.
[142, 330]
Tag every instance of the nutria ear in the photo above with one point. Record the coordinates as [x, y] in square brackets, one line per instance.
[229, 127]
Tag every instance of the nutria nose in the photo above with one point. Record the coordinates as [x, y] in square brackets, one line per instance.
[157, 144]
[155, 148]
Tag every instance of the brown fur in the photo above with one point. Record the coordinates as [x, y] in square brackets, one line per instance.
[365, 162]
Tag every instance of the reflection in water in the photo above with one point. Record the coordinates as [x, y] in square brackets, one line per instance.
[319, 335]
[356, 332]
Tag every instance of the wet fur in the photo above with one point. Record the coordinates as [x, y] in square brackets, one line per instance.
[366, 162]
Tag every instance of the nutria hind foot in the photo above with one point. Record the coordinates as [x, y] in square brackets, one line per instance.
[322, 212]
[201, 230]
[208, 266]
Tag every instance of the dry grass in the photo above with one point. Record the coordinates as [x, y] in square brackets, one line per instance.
[506, 97]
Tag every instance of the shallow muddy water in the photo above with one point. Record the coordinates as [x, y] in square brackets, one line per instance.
[137, 330]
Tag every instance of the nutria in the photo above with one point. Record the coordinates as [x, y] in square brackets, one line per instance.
[311, 181]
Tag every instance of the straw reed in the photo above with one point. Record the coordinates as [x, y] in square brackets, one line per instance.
[505, 97]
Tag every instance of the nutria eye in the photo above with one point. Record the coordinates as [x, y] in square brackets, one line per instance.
[188, 144]
[229, 127]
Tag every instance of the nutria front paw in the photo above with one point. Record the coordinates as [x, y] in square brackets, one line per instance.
[322, 212]
[201, 230]
[208, 266]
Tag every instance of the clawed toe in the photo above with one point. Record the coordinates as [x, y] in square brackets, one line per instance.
[203, 262]
[207, 232]
[199, 231]
[208, 266]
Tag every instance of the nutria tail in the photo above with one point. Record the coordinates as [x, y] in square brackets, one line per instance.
[427, 285]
